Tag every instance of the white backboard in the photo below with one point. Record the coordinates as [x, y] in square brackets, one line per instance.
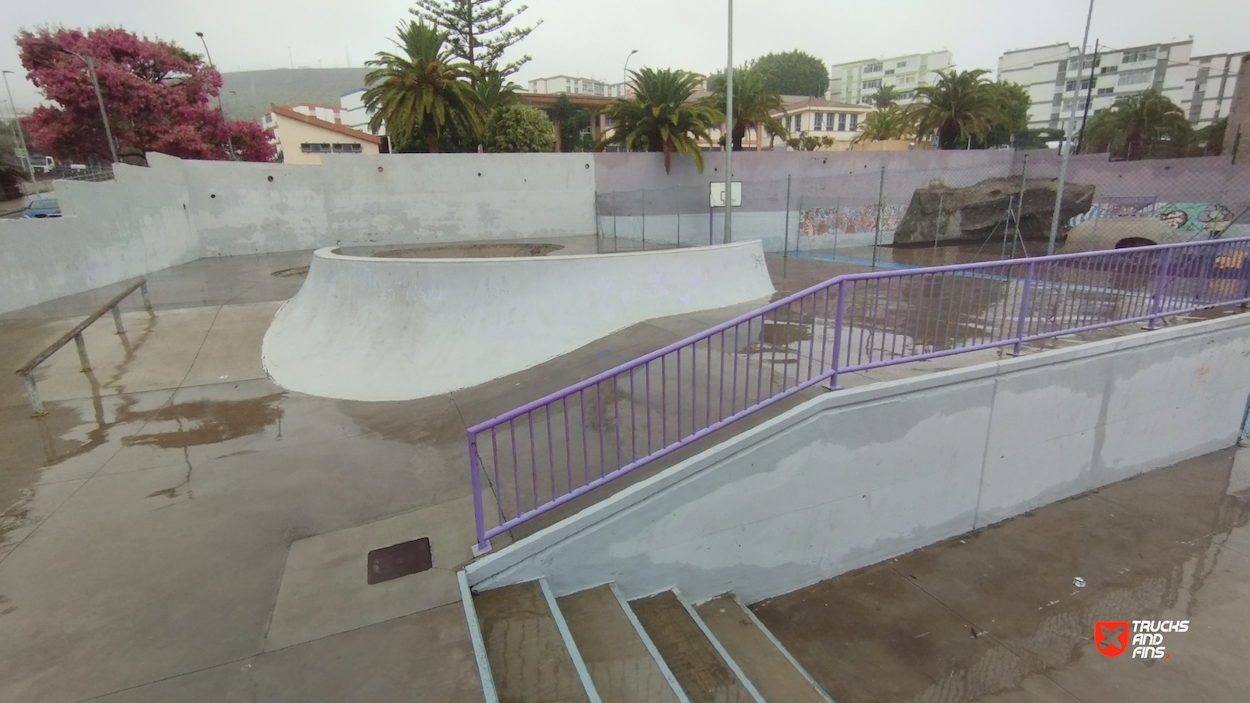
[718, 194]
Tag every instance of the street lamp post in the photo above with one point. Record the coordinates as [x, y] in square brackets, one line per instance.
[21, 139]
[625, 72]
[225, 125]
[1067, 139]
[99, 98]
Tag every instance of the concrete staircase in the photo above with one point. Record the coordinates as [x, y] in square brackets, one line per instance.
[595, 646]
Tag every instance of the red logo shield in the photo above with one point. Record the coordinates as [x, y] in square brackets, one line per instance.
[1111, 637]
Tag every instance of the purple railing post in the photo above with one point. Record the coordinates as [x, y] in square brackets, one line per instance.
[479, 520]
[837, 335]
[1165, 262]
[1024, 309]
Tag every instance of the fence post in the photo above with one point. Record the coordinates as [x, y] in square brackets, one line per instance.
[1024, 309]
[643, 200]
[785, 245]
[479, 521]
[876, 238]
[32, 394]
[147, 302]
[837, 335]
[82, 352]
[677, 213]
[1156, 306]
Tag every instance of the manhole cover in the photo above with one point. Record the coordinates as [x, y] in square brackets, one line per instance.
[291, 273]
[398, 560]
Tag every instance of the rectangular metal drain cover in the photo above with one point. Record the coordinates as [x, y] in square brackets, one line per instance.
[399, 560]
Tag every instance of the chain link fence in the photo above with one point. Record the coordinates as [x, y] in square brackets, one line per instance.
[903, 217]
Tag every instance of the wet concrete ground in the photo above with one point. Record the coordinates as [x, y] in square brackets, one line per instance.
[180, 528]
[995, 615]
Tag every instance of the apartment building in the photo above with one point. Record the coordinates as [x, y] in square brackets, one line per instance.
[1056, 78]
[856, 81]
[574, 85]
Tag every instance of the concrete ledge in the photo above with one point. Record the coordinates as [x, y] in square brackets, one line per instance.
[858, 476]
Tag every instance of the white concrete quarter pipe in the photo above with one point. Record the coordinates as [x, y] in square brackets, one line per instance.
[366, 328]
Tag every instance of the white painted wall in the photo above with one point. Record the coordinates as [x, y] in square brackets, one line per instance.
[411, 328]
[856, 477]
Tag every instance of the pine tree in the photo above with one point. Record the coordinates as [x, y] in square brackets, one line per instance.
[477, 30]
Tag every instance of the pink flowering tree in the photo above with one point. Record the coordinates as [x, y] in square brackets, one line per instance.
[159, 97]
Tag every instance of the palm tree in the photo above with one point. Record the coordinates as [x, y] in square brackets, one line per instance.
[960, 105]
[494, 89]
[892, 122]
[885, 96]
[754, 105]
[1135, 120]
[658, 117]
[422, 91]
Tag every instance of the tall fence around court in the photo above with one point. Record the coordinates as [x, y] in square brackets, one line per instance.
[559, 447]
[853, 211]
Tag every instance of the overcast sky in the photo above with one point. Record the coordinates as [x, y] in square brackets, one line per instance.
[592, 37]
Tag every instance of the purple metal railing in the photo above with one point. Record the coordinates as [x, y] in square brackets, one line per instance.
[554, 449]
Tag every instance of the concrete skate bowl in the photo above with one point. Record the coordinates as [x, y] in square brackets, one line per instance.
[382, 328]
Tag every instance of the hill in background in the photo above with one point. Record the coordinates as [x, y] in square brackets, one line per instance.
[255, 91]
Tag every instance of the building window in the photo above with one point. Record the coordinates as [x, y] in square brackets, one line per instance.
[889, 71]
[1108, 69]
[816, 117]
[330, 148]
[900, 64]
[841, 121]
[829, 121]
[873, 68]
[798, 122]
[854, 122]
[1069, 86]
[1136, 77]
[907, 79]
[870, 85]
[1106, 91]
[1139, 55]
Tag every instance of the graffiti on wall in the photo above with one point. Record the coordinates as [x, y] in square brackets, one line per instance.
[1194, 219]
[849, 219]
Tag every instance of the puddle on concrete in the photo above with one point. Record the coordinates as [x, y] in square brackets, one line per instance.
[291, 272]
[203, 422]
[471, 251]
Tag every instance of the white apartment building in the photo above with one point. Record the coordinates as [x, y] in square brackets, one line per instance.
[352, 110]
[574, 85]
[1056, 78]
[854, 82]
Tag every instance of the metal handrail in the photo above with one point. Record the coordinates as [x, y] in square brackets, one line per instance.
[1033, 299]
[27, 370]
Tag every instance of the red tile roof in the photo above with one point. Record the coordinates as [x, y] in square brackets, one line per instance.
[332, 126]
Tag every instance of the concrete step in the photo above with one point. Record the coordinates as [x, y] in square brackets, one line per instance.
[526, 648]
[704, 671]
[620, 657]
[772, 670]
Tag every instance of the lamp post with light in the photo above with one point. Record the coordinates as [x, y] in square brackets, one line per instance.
[225, 125]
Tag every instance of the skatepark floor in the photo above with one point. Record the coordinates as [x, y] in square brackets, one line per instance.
[178, 527]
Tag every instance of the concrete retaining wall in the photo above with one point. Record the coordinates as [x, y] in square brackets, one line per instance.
[858, 476]
[176, 211]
